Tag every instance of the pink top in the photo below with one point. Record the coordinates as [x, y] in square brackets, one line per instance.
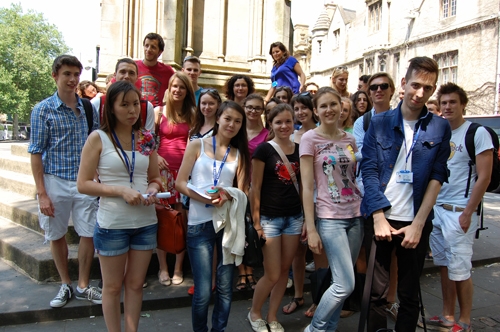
[173, 141]
[257, 140]
[334, 165]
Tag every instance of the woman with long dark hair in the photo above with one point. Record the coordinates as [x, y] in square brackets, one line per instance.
[214, 163]
[125, 233]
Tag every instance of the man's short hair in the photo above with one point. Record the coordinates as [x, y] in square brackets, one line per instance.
[157, 37]
[364, 78]
[68, 60]
[422, 64]
[450, 88]
[382, 74]
[126, 60]
[433, 102]
[312, 83]
[192, 59]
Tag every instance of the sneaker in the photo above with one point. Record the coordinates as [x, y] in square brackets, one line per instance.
[259, 325]
[310, 267]
[99, 286]
[90, 293]
[289, 283]
[65, 293]
[392, 310]
[276, 327]
[461, 327]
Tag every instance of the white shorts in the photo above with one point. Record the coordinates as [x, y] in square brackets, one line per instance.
[67, 201]
[450, 246]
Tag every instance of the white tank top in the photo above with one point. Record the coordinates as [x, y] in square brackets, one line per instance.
[202, 178]
[114, 212]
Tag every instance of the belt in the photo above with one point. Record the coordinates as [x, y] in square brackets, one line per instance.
[453, 208]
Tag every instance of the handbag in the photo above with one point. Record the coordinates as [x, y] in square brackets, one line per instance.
[253, 243]
[171, 235]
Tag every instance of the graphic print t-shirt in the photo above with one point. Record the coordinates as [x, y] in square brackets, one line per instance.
[278, 196]
[334, 165]
[153, 81]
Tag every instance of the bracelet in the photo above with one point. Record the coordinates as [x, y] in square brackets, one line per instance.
[158, 183]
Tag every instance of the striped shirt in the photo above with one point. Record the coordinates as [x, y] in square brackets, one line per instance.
[59, 135]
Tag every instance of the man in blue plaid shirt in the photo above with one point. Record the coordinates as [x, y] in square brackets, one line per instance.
[59, 130]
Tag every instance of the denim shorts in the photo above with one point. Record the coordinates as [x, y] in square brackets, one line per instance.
[114, 242]
[277, 226]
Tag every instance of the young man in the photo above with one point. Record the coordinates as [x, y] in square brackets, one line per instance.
[126, 70]
[404, 164]
[192, 67]
[153, 76]
[455, 217]
[59, 130]
[363, 83]
[312, 88]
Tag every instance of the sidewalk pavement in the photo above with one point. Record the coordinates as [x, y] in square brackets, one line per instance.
[23, 301]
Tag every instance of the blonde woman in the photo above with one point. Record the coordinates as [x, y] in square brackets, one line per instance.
[340, 76]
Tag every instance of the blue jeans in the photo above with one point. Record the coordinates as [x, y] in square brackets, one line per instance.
[201, 240]
[341, 240]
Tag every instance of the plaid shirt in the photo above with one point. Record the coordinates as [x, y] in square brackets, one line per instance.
[59, 135]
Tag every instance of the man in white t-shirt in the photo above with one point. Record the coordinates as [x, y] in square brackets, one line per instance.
[455, 217]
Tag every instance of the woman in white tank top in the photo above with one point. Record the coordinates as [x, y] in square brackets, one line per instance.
[213, 163]
[125, 233]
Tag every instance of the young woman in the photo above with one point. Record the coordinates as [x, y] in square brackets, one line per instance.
[214, 162]
[238, 87]
[88, 89]
[173, 122]
[283, 93]
[208, 104]
[345, 119]
[361, 103]
[327, 159]
[286, 70]
[303, 108]
[269, 106]
[276, 213]
[339, 81]
[257, 134]
[125, 233]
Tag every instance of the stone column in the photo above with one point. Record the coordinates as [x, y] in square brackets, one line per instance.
[190, 28]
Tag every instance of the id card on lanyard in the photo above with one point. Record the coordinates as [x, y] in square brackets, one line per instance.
[216, 174]
[406, 176]
[130, 165]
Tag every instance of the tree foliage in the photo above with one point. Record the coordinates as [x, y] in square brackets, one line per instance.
[28, 46]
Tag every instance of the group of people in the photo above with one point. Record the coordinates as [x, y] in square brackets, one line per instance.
[295, 154]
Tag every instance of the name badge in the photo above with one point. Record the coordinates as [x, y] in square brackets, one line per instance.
[404, 177]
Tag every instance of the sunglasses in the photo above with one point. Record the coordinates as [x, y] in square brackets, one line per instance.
[212, 90]
[383, 86]
[305, 94]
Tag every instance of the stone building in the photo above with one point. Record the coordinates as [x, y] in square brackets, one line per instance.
[382, 35]
[229, 36]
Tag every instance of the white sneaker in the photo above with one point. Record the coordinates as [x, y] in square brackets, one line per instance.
[276, 327]
[289, 283]
[310, 267]
[259, 325]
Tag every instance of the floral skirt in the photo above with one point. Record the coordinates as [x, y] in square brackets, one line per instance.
[168, 178]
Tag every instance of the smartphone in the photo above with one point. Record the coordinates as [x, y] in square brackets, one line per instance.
[213, 191]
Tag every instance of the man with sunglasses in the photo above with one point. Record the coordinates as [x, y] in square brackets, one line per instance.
[405, 151]
[192, 67]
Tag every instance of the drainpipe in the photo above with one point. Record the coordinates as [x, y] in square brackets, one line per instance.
[497, 79]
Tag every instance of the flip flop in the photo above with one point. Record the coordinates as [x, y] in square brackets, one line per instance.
[241, 286]
[295, 301]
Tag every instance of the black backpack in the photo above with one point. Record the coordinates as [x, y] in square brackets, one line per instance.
[89, 113]
[367, 117]
[471, 150]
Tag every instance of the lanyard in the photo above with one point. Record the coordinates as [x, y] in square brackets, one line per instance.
[415, 137]
[130, 166]
[216, 175]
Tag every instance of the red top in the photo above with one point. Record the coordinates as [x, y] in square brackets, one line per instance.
[153, 81]
[173, 141]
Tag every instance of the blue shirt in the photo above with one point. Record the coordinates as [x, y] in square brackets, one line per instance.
[285, 75]
[59, 135]
[381, 146]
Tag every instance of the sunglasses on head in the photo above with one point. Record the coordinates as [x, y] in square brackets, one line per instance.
[383, 86]
[305, 94]
[212, 90]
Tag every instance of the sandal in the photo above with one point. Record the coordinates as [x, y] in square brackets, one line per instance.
[296, 301]
[310, 312]
[251, 284]
[241, 286]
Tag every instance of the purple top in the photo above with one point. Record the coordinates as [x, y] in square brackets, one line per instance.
[285, 75]
[257, 140]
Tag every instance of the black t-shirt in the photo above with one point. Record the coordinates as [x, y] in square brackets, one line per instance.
[278, 196]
